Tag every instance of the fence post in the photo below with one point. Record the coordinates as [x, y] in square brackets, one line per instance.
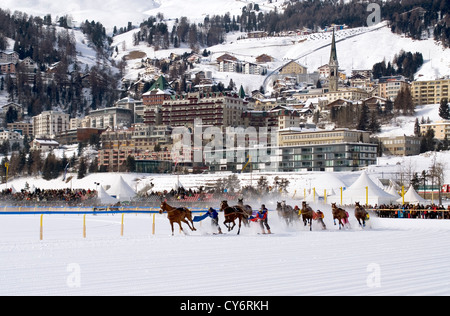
[367, 196]
[42, 228]
[121, 229]
[153, 225]
[84, 226]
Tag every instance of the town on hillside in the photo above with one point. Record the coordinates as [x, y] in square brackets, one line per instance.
[323, 119]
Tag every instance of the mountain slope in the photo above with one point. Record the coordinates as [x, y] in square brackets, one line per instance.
[118, 13]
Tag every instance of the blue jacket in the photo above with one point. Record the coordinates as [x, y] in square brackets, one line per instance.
[212, 213]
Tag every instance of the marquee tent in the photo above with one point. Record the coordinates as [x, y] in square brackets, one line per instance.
[357, 193]
[105, 198]
[412, 197]
[327, 181]
[121, 191]
[392, 191]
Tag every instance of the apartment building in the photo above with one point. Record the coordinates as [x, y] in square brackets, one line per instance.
[441, 129]
[293, 68]
[117, 145]
[430, 92]
[280, 117]
[400, 145]
[50, 123]
[8, 61]
[22, 127]
[111, 117]
[353, 94]
[216, 109]
[299, 151]
[298, 137]
[389, 87]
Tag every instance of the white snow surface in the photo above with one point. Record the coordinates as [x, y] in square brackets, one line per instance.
[388, 257]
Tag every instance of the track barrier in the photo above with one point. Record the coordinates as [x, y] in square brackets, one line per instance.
[36, 210]
[8, 210]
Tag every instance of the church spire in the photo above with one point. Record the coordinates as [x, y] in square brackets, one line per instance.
[334, 66]
[333, 56]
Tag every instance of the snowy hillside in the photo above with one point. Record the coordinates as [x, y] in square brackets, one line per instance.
[118, 13]
[358, 48]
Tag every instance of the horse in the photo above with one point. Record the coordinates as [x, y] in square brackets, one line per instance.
[340, 214]
[286, 212]
[231, 214]
[360, 214]
[177, 215]
[246, 209]
[308, 214]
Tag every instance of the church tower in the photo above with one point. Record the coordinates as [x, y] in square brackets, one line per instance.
[334, 67]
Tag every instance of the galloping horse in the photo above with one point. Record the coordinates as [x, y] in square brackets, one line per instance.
[307, 214]
[286, 211]
[360, 214]
[177, 215]
[339, 214]
[231, 214]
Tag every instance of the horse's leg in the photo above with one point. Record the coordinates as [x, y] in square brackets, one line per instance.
[240, 221]
[171, 224]
[189, 222]
[234, 224]
[189, 225]
[310, 224]
[181, 227]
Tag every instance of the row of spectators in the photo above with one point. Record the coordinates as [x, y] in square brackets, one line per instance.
[431, 211]
[68, 196]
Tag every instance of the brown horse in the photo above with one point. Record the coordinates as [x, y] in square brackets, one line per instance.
[307, 214]
[360, 214]
[177, 215]
[339, 214]
[231, 214]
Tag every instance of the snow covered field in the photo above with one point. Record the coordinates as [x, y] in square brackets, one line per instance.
[391, 257]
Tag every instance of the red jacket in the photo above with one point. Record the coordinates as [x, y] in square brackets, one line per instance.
[261, 215]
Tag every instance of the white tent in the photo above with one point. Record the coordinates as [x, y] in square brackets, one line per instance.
[105, 198]
[392, 191]
[412, 197]
[122, 191]
[327, 181]
[357, 193]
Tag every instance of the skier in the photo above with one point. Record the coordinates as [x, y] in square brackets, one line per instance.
[212, 213]
[214, 218]
[261, 216]
[320, 217]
